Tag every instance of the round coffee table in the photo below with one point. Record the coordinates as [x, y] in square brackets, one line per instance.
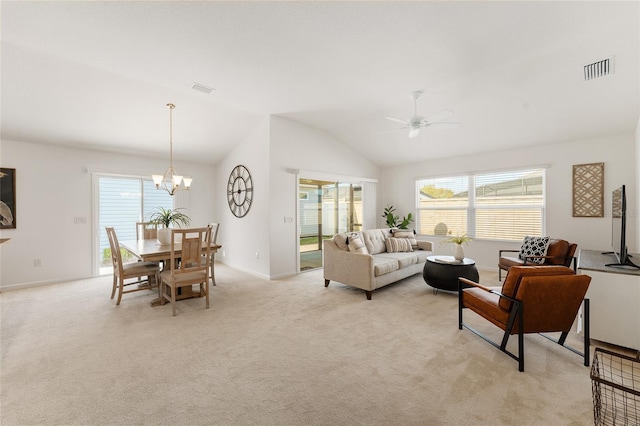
[442, 272]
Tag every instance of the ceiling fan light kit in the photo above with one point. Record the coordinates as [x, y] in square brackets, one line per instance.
[417, 122]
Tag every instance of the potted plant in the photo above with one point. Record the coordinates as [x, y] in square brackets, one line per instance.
[393, 221]
[459, 241]
[166, 218]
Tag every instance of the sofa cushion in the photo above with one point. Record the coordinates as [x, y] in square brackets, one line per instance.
[405, 233]
[404, 258]
[374, 239]
[534, 246]
[356, 245]
[396, 245]
[384, 265]
[341, 241]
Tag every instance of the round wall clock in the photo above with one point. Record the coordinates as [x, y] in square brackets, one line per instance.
[239, 191]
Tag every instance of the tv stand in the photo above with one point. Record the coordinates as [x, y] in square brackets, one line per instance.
[614, 293]
[627, 263]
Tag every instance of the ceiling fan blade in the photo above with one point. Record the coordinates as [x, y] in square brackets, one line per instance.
[397, 120]
[393, 130]
[439, 116]
[414, 132]
[445, 125]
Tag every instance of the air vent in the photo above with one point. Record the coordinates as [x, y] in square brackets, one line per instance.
[202, 88]
[601, 68]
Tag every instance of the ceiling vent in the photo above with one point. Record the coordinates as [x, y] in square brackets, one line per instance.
[601, 68]
[202, 88]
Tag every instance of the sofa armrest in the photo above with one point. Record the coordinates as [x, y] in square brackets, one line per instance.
[354, 269]
[425, 245]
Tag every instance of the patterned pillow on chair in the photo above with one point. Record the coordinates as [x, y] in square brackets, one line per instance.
[534, 246]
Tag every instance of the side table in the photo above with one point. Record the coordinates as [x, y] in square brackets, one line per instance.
[442, 272]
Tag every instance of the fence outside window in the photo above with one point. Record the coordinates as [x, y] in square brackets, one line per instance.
[502, 205]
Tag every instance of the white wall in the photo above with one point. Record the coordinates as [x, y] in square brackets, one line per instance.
[634, 214]
[46, 206]
[242, 238]
[54, 185]
[270, 152]
[294, 146]
[617, 152]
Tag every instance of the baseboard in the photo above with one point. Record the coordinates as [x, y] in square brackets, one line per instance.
[21, 286]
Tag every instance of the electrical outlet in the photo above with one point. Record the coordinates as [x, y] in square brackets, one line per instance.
[37, 263]
[224, 253]
[257, 255]
[80, 220]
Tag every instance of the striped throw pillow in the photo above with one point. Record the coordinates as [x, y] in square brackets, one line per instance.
[397, 245]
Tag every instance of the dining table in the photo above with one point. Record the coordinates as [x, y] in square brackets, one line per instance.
[151, 250]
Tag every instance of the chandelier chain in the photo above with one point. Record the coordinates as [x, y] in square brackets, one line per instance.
[171, 107]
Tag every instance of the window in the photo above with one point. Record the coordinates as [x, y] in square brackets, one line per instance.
[123, 201]
[506, 205]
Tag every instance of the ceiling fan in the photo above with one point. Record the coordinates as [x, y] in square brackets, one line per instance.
[418, 122]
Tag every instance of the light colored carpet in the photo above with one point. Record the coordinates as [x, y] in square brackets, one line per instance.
[287, 352]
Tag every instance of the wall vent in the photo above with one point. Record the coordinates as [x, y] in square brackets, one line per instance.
[202, 88]
[601, 68]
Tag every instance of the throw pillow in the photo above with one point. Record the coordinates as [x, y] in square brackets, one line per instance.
[397, 245]
[356, 244]
[406, 233]
[534, 246]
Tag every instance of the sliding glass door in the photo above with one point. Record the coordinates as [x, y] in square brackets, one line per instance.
[325, 208]
[123, 201]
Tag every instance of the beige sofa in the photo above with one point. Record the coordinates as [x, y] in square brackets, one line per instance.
[385, 260]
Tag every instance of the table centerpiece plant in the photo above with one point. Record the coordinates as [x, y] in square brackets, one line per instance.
[459, 241]
[167, 218]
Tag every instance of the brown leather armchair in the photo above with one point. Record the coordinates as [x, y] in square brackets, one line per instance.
[532, 299]
[559, 252]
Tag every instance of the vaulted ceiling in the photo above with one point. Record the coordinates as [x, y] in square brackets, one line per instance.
[98, 74]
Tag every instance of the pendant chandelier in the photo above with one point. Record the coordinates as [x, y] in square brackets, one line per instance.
[171, 180]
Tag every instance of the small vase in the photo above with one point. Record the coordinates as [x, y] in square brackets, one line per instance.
[458, 252]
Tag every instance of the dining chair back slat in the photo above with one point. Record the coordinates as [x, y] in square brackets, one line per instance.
[146, 231]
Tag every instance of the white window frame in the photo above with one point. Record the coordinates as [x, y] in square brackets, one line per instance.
[472, 208]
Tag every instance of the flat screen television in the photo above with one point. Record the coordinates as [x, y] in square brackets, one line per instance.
[619, 228]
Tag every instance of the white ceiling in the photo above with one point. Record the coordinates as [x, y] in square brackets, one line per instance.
[98, 74]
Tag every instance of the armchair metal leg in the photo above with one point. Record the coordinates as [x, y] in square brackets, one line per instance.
[521, 338]
[587, 331]
[459, 306]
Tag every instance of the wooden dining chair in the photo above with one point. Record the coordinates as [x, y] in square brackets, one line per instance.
[188, 266]
[146, 230]
[123, 272]
[214, 238]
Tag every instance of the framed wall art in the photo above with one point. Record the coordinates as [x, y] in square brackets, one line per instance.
[7, 198]
[588, 190]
